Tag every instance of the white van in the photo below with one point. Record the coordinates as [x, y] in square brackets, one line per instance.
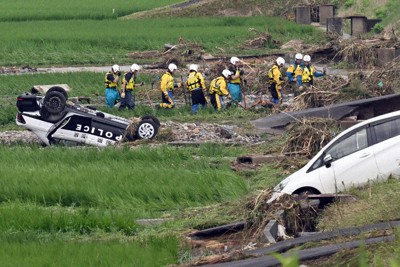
[368, 151]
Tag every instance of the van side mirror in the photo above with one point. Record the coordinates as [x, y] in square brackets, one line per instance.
[328, 160]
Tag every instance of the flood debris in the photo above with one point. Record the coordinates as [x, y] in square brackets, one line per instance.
[308, 135]
[260, 40]
[288, 211]
[184, 52]
[384, 81]
[313, 98]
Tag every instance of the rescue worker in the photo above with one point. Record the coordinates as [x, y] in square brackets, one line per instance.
[235, 80]
[197, 87]
[309, 72]
[128, 86]
[295, 72]
[167, 85]
[275, 80]
[218, 89]
[111, 80]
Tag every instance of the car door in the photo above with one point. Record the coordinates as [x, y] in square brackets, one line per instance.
[352, 163]
[387, 147]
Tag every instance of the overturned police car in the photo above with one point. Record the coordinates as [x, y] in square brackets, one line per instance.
[55, 120]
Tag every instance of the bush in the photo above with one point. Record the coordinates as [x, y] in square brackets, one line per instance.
[378, 28]
[381, 12]
[349, 3]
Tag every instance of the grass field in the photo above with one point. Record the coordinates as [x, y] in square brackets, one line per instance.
[83, 42]
[143, 178]
[20, 10]
[20, 249]
[80, 205]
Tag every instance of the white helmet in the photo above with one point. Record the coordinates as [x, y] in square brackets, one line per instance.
[298, 56]
[172, 67]
[115, 68]
[307, 58]
[234, 60]
[135, 67]
[193, 67]
[280, 61]
[226, 73]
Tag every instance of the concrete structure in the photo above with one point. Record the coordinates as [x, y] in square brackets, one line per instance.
[363, 109]
[334, 25]
[326, 12]
[271, 230]
[359, 25]
[303, 14]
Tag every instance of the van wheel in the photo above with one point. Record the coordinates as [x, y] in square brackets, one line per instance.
[146, 129]
[306, 192]
[303, 198]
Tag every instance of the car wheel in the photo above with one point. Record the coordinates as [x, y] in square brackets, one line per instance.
[58, 89]
[154, 119]
[303, 198]
[54, 102]
[146, 129]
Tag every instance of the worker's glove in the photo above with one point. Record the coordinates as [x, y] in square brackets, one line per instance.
[142, 83]
[241, 72]
[118, 73]
[165, 94]
[324, 70]
[123, 94]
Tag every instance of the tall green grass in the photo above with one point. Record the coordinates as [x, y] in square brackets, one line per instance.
[78, 206]
[81, 83]
[156, 252]
[58, 219]
[151, 180]
[20, 10]
[80, 42]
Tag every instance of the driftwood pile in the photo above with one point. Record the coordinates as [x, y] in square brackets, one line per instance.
[308, 136]
[363, 53]
[386, 81]
[182, 53]
[313, 99]
[358, 52]
[260, 40]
